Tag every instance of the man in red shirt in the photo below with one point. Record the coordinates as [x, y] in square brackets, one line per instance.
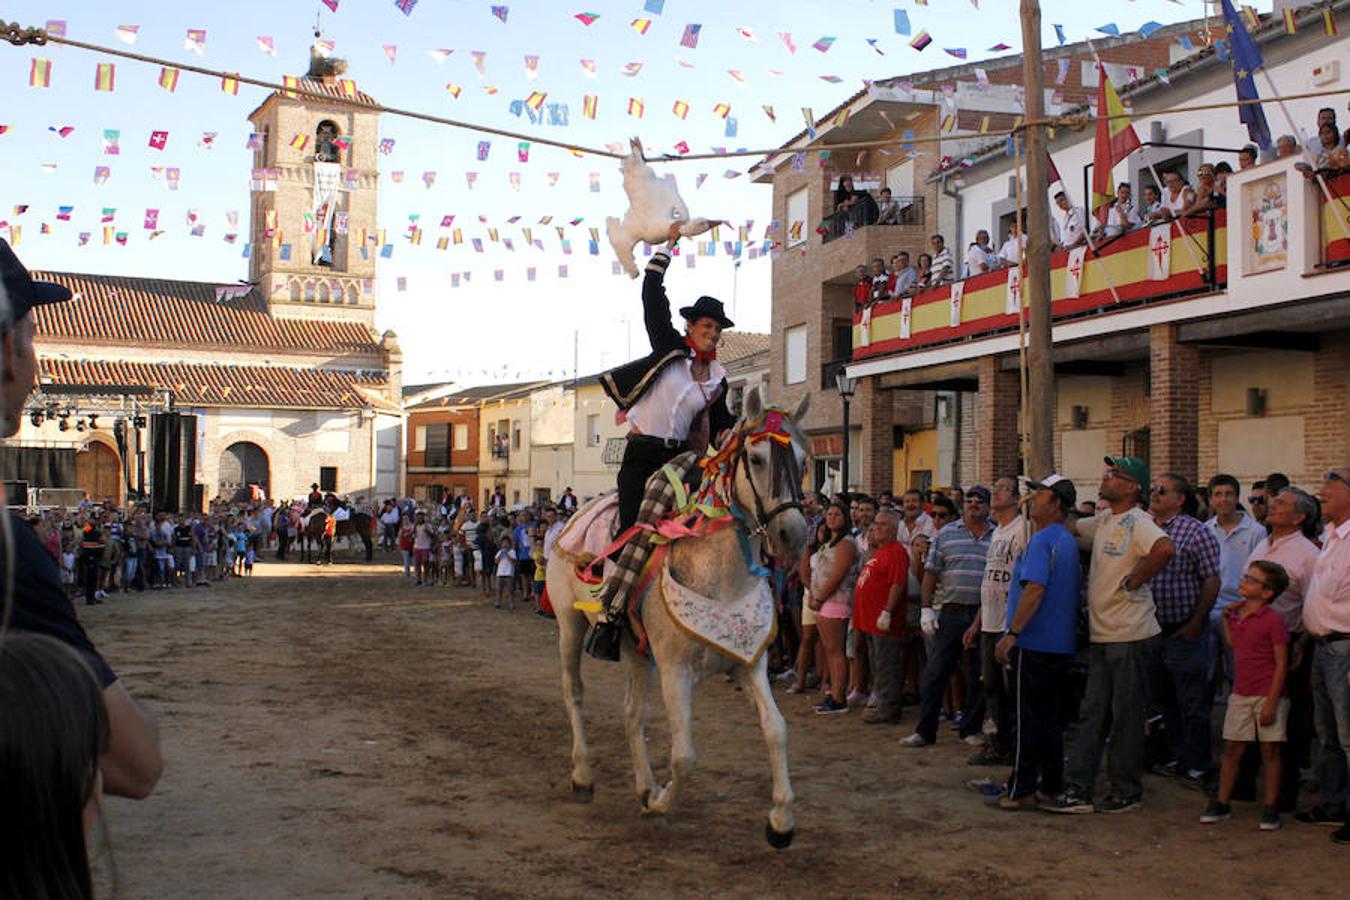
[879, 612]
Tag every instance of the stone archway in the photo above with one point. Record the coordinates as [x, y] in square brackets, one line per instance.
[242, 465]
[98, 472]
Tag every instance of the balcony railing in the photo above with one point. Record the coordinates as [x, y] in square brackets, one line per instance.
[845, 222]
[1146, 265]
[1335, 245]
[828, 371]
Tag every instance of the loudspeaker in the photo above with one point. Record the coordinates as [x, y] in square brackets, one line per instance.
[173, 461]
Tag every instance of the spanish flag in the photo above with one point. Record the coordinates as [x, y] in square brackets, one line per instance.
[1329, 23]
[230, 84]
[840, 117]
[105, 77]
[1116, 139]
[641, 25]
[535, 100]
[348, 88]
[453, 90]
[168, 78]
[722, 110]
[635, 106]
[40, 73]
[300, 141]
[588, 105]
[681, 109]
[1290, 26]
[291, 83]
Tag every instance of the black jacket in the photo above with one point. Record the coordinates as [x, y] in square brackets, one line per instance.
[626, 384]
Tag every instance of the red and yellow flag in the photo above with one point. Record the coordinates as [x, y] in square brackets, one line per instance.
[454, 90]
[635, 107]
[641, 25]
[1116, 139]
[588, 105]
[721, 110]
[105, 77]
[681, 109]
[168, 78]
[230, 84]
[1329, 23]
[535, 100]
[40, 73]
[348, 88]
[1290, 26]
[300, 141]
[291, 82]
[840, 117]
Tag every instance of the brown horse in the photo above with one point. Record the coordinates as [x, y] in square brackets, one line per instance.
[312, 533]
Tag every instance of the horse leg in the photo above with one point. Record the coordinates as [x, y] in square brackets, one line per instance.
[677, 690]
[755, 682]
[370, 547]
[635, 724]
[571, 633]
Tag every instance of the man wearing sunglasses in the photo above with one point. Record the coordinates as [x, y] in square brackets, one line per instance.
[1326, 615]
[1184, 593]
[1128, 550]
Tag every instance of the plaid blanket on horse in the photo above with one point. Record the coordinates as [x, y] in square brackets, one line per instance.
[658, 500]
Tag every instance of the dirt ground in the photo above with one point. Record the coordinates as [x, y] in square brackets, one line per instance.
[336, 732]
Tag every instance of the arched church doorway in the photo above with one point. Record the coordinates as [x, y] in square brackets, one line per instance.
[243, 473]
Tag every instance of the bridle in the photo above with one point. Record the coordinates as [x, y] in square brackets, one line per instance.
[783, 470]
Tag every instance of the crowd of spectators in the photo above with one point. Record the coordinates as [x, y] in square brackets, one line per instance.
[1020, 617]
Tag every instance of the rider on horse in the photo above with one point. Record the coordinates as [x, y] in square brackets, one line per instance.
[674, 400]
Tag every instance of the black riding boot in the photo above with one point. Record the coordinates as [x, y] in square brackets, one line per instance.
[602, 641]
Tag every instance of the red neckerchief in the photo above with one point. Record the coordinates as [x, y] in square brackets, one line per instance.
[700, 355]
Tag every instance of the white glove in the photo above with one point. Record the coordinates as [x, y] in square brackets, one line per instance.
[928, 621]
[884, 620]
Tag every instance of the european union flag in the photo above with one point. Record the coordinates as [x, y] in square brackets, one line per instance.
[1246, 60]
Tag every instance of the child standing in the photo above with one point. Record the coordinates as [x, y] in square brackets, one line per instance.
[537, 554]
[506, 570]
[1257, 707]
[240, 549]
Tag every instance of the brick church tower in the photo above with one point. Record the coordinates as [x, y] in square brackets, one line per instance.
[313, 199]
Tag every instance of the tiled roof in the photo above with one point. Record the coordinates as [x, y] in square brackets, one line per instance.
[737, 345]
[121, 309]
[233, 386]
[473, 395]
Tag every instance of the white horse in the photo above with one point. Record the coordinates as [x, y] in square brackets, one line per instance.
[653, 203]
[766, 494]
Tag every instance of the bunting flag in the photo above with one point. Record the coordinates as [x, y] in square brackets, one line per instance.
[1110, 28]
[168, 78]
[872, 42]
[921, 40]
[479, 61]
[439, 56]
[690, 37]
[957, 52]
[405, 6]
[453, 90]
[588, 66]
[654, 6]
[484, 149]
[640, 25]
[786, 38]
[1115, 140]
[588, 105]
[631, 69]
[111, 139]
[902, 22]
[531, 66]
[331, 4]
[768, 111]
[681, 109]
[840, 117]
[737, 75]
[1000, 47]
[267, 45]
[230, 84]
[1253, 20]
[104, 77]
[523, 151]
[64, 131]
[290, 82]
[1329, 23]
[501, 12]
[745, 32]
[587, 18]
[390, 52]
[348, 88]
[1059, 34]
[635, 107]
[810, 119]
[1290, 26]
[300, 141]
[40, 73]
[127, 33]
[824, 44]
[535, 100]
[722, 110]
[195, 41]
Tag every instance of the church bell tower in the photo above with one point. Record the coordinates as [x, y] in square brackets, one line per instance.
[313, 197]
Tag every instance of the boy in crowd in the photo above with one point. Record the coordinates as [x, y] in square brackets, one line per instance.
[1257, 707]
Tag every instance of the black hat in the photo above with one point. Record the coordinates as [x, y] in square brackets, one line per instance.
[21, 291]
[707, 307]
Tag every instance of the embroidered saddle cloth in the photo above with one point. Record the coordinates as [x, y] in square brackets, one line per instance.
[739, 627]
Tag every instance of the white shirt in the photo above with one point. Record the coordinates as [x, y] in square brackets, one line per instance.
[1071, 227]
[976, 256]
[943, 269]
[1176, 204]
[1119, 221]
[1012, 249]
[668, 408]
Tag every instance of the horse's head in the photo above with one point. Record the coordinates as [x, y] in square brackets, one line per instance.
[768, 474]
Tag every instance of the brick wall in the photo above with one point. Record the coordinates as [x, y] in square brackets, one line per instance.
[1173, 403]
[874, 411]
[997, 439]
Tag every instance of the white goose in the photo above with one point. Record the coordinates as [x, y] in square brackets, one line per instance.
[653, 203]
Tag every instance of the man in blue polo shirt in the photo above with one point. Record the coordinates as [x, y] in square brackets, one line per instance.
[952, 574]
[1039, 643]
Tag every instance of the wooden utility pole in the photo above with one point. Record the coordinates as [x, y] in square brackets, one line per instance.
[1039, 457]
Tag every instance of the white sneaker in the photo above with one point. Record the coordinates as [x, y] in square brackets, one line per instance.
[973, 740]
[914, 740]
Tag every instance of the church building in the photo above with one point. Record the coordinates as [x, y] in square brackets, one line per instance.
[265, 386]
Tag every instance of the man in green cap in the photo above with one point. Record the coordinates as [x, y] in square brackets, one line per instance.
[1128, 549]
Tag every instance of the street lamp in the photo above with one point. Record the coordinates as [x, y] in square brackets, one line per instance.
[846, 387]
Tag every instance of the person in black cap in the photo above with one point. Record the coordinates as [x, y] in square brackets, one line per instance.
[675, 401]
[131, 764]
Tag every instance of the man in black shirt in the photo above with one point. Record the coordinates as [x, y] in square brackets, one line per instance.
[132, 763]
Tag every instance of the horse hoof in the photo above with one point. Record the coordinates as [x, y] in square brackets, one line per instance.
[778, 840]
[583, 793]
[644, 799]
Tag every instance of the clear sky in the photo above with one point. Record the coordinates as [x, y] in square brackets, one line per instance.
[483, 330]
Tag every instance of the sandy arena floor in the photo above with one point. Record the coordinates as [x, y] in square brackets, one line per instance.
[336, 732]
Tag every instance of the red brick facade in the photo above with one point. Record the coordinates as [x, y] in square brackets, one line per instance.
[1174, 403]
[461, 475]
[997, 438]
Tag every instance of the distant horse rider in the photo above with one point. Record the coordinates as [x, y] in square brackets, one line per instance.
[674, 400]
[315, 496]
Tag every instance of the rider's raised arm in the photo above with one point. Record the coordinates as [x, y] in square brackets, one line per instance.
[656, 305]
